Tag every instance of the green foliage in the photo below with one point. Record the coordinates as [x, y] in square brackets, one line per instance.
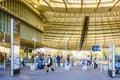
[95, 54]
[117, 50]
[104, 53]
[22, 54]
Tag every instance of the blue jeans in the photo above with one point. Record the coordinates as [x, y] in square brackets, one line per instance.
[95, 65]
[68, 63]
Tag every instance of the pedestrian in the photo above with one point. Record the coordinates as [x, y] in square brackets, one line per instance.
[49, 64]
[62, 61]
[95, 63]
[88, 60]
[32, 59]
[22, 61]
[58, 58]
[68, 60]
[41, 58]
[40, 64]
[84, 62]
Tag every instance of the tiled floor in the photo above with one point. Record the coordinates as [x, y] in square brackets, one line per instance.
[59, 74]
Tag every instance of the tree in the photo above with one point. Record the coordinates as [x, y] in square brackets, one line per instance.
[22, 54]
[105, 54]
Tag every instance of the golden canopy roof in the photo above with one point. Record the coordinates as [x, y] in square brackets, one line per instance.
[65, 23]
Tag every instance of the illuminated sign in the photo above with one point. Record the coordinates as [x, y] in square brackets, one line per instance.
[96, 48]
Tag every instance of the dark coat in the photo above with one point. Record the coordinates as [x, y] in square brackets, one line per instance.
[50, 60]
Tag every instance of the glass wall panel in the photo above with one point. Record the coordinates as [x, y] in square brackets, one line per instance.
[0, 20]
[26, 30]
[23, 11]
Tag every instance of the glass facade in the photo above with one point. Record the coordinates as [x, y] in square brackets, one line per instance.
[30, 19]
[84, 1]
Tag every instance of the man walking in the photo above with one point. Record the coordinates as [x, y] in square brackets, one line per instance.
[58, 58]
[68, 60]
[49, 64]
[95, 63]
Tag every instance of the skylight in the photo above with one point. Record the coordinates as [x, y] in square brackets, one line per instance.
[84, 1]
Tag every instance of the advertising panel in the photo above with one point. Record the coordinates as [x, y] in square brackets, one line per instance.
[16, 57]
[15, 47]
[111, 61]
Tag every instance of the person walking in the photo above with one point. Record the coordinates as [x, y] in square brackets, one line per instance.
[32, 58]
[68, 60]
[58, 58]
[62, 61]
[49, 64]
[88, 60]
[95, 63]
[22, 61]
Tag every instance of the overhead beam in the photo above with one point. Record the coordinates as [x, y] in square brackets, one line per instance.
[31, 7]
[60, 41]
[49, 6]
[18, 17]
[77, 44]
[113, 6]
[84, 31]
[2, 0]
[97, 5]
[81, 6]
[43, 18]
[65, 5]
[68, 42]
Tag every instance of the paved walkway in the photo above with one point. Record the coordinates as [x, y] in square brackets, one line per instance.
[59, 74]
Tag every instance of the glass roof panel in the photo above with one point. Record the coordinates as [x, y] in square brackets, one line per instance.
[106, 0]
[84, 1]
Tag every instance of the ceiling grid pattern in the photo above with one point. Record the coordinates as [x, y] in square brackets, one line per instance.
[66, 17]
